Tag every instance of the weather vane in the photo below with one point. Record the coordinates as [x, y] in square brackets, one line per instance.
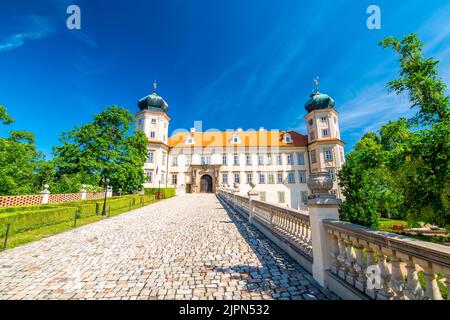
[316, 81]
[154, 86]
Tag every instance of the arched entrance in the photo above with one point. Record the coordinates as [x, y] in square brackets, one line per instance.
[206, 184]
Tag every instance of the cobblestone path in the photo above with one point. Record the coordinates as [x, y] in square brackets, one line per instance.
[187, 247]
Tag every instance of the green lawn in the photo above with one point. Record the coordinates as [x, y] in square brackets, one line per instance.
[29, 224]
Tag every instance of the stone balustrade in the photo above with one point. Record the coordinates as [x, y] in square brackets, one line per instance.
[386, 266]
[353, 261]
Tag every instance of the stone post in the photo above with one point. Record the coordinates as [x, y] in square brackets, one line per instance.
[109, 192]
[45, 194]
[252, 195]
[83, 192]
[322, 205]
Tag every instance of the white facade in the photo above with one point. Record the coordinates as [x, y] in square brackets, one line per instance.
[278, 162]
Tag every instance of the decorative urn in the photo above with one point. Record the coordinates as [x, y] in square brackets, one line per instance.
[320, 183]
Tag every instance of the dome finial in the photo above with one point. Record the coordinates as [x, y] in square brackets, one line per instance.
[155, 85]
[316, 81]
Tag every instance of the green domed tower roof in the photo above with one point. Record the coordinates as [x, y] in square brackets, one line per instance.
[319, 100]
[153, 102]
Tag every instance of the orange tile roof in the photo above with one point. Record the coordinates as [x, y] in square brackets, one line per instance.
[247, 139]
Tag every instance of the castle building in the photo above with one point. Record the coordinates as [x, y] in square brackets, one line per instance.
[278, 162]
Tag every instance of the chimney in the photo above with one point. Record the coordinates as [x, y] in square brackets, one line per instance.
[239, 129]
[261, 129]
[192, 130]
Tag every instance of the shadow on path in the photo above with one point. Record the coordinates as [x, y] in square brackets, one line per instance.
[279, 277]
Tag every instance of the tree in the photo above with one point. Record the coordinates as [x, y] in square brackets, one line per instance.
[18, 160]
[104, 148]
[409, 170]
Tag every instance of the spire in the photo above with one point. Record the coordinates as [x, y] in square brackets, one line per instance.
[316, 82]
[155, 85]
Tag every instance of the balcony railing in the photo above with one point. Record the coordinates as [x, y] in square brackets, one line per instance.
[357, 262]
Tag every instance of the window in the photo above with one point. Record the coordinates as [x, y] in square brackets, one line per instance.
[279, 159]
[301, 158]
[271, 178]
[323, 119]
[302, 177]
[328, 155]
[291, 177]
[262, 178]
[312, 136]
[164, 137]
[236, 160]
[174, 179]
[236, 138]
[281, 198]
[280, 178]
[149, 178]
[287, 138]
[290, 159]
[150, 157]
[269, 159]
[153, 120]
[165, 125]
[224, 178]
[304, 196]
[342, 155]
[224, 159]
[152, 134]
[140, 122]
[335, 120]
[163, 159]
[325, 133]
[331, 174]
[249, 178]
[248, 160]
[190, 140]
[262, 196]
[188, 160]
[260, 160]
[313, 156]
[174, 161]
[236, 178]
[163, 177]
[205, 160]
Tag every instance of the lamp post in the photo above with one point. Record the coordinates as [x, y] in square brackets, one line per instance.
[106, 193]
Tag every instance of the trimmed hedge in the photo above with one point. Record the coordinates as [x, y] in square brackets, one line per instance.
[23, 219]
[167, 192]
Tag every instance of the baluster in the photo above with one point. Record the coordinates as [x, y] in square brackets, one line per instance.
[350, 261]
[397, 283]
[342, 257]
[431, 287]
[334, 253]
[413, 290]
[384, 293]
[447, 281]
[309, 240]
[360, 267]
[371, 289]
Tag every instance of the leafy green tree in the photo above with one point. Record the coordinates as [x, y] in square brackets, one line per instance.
[408, 174]
[104, 148]
[427, 151]
[18, 160]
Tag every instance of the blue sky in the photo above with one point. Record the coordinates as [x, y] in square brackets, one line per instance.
[228, 63]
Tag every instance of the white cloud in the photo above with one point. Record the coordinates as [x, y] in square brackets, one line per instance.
[31, 28]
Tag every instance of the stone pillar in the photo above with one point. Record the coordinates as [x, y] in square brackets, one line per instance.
[83, 192]
[252, 195]
[109, 192]
[322, 205]
[235, 190]
[45, 194]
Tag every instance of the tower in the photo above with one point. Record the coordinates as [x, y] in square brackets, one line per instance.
[153, 120]
[325, 147]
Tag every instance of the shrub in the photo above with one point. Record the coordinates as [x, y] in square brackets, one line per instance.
[167, 192]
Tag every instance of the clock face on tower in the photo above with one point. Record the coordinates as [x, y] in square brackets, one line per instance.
[311, 122]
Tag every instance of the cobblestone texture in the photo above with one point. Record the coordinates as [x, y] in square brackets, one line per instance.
[187, 247]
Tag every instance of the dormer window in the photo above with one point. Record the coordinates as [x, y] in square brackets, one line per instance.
[287, 138]
[236, 139]
[189, 140]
